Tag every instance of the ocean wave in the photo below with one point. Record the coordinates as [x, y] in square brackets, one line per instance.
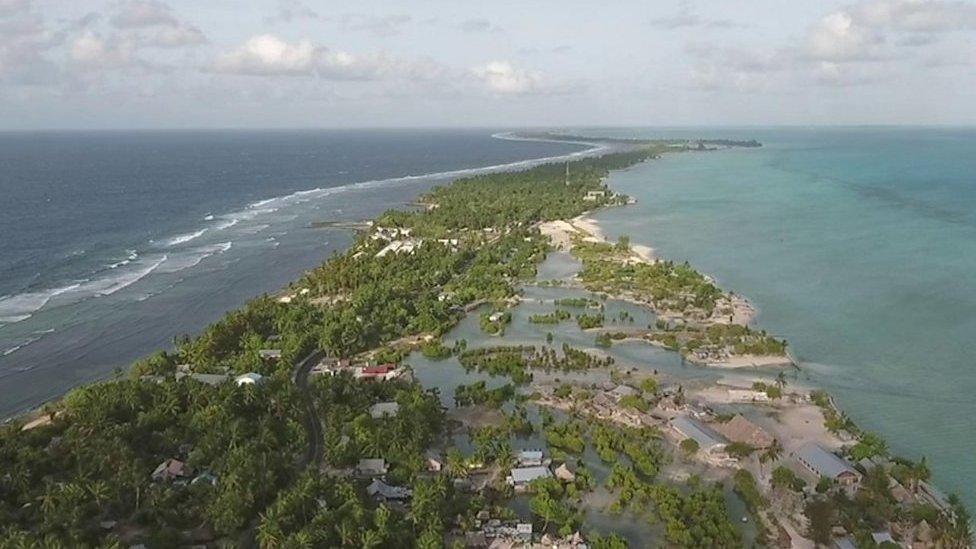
[129, 259]
[15, 308]
[179, 262]
[208, 217]
[19, 346]
[227, 224]
[109, 285]
[184, 238]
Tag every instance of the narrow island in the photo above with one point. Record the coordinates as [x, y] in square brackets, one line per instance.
[429, 388]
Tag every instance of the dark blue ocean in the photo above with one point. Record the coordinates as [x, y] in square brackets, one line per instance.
[112, 243]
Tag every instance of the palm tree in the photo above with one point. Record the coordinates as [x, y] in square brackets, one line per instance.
[772, 454]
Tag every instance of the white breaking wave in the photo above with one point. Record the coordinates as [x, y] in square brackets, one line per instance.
[131, 257]
[20, 346]
[227, 224]
[15, 308]
[184, 238]
[179, 262]
[110, 285]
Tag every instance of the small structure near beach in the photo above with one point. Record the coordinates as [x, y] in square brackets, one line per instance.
[270, 354]
[740, 429]
[170, 470]
[250, 378]
[382, 491]
[521, 477]
[530, 458]
[708, 440]
[823, 463]
[372, 467]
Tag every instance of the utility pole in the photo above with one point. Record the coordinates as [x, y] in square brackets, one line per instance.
[567, 173]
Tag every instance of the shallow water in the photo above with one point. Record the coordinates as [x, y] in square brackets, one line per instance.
[859, 247]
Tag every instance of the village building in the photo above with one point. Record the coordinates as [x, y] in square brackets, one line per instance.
[823, 463]
[739, 429]
[521, 477]
[621, 391]
[379, 371]
[250, 378]
[170, 470]
[372, 467]
[530, 458]
[270, 354]
[434, 463]
[208, 379]
[746, 395]
[384, 409]
[565, 474]
[594, 195]
[708, 440]
[382, 491]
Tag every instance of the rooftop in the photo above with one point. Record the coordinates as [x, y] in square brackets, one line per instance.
[706, 438]
[822, 461]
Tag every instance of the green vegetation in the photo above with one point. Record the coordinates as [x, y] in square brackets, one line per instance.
[586, 321]
[478, 393]
[577, 302]
[554, 317]
[517, 361]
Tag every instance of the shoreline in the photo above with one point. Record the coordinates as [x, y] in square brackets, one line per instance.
[564, 232]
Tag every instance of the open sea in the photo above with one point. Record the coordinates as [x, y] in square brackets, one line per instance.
[858, 246]
[114, 243]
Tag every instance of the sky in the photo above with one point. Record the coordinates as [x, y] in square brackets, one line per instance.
[91, 64]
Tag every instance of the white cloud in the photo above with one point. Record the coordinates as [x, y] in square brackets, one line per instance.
[144, 13]
[267, 55]
[503, 77]
[840, 37]
[91, 49]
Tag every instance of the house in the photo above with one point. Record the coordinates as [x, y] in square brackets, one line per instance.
[593, 195]
[250, 378]
[382, 491]
[372, 467]
[521, 477]
[822, 463]
[495, 317]
[529, 458]
[270, 354]
[170, 470]
[883, 537]
[621, 391]
[384, 409]
[708, 440]
[380, 371]
[563, 473]
[434, 463]
[523, 531]
[208, 379]
[739, 429]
